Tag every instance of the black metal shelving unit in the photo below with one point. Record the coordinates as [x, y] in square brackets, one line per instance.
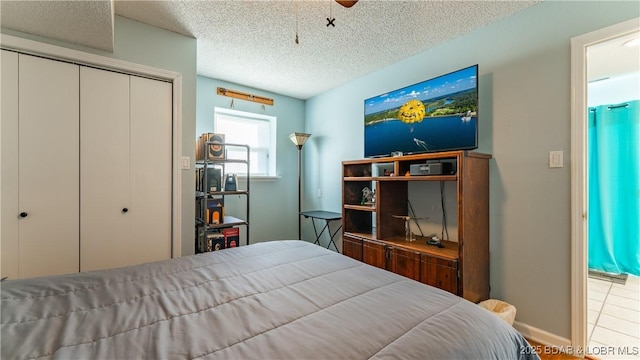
[204, 197]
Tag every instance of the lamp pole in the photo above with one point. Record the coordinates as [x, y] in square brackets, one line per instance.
[299, 139]
[299, 190]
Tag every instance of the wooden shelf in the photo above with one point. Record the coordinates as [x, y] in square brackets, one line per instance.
[360, 207]
[222, 161]
[229, 221]
[212, 194]
[403, 178]
[244, 96]
[419, 157]
[372, 236]
[450, 250]
[359, 178]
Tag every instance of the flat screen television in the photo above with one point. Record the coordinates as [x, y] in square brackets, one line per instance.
[438, 114]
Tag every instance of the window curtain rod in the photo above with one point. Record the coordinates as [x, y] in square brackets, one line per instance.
[244, 96]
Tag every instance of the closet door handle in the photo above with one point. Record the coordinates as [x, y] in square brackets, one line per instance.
[124, 210]
[23, 214]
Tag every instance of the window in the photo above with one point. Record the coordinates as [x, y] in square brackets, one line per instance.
[256, 130]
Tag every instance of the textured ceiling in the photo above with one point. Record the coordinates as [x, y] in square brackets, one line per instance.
[252, 43]
[87, 23]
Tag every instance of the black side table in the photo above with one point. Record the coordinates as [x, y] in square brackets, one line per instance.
[328, 217]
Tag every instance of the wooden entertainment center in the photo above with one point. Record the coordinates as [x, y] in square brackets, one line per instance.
[375, 234]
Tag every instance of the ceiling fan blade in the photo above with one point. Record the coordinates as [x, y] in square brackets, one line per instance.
[347, 3]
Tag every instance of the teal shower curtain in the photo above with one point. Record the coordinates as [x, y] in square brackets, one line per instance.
[613, 214]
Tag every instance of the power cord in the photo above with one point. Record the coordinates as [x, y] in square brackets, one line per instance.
[444, 214]
[412, 215]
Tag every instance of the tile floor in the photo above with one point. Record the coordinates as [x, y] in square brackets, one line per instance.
[614, 318]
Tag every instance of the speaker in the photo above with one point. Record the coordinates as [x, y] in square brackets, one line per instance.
[426, 169]
[231, 182]
[215, 151]
[435, 167]
[214, 177]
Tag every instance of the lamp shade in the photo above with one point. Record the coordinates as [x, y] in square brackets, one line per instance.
[299, 138]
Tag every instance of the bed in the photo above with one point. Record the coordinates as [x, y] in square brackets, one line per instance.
[284, 299]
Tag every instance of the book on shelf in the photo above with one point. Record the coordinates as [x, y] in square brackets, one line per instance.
[231, 236]
[214, 179]
[211, 151]
[215, 213]
[215, 241]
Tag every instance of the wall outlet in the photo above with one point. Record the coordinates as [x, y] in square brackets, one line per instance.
[319, 193]
[185, 163]
[556, 159]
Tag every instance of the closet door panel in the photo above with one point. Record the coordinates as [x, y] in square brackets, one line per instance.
[104, 168]
[49, 166]
[9, 173]
[151, 144]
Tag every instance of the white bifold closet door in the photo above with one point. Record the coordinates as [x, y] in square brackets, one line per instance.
[9, 244]
[40, 127]
[105, 225]
[86, 168]
[125, 169]
[151, 159]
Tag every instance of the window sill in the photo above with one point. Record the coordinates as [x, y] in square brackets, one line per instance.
[259, 177]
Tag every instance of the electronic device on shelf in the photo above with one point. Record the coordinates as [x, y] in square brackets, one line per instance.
[435, 241]
[231, 182]
[434, 167]
[438, 114]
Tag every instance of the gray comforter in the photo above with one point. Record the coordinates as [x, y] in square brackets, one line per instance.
[275, 300]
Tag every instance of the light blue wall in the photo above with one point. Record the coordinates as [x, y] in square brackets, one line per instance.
[273, 203]
[524, 112]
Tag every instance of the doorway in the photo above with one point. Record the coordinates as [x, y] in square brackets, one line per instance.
[587, 305]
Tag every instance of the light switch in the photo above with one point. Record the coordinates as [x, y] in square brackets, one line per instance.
[185, 163]
[556, 159]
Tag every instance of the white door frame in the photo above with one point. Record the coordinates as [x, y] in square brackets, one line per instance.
[579, 270]
[27, 46]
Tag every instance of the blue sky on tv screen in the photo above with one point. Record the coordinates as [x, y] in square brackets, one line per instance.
[446, 84]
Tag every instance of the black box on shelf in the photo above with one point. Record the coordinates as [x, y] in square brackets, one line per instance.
[214, 179]
[212, 202]
[231, 236]
[215, 213]
[215, 241]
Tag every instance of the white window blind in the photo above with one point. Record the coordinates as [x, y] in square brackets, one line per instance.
[257, 131]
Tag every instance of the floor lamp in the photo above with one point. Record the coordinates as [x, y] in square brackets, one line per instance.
[299, 139]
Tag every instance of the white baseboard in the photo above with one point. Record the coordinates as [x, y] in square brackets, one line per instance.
[541, 336]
